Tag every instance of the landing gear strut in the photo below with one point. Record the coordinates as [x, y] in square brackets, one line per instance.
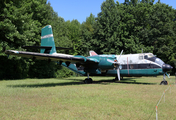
[88, 80]
[164, 82]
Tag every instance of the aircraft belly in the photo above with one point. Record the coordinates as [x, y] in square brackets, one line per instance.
[137, 72]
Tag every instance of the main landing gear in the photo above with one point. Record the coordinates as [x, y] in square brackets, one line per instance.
[164, 82]
[88, 80]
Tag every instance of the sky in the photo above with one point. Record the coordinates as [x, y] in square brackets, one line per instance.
[81, 9]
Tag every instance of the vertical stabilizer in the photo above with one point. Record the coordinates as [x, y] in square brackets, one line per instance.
[92, 53]
[47, 40]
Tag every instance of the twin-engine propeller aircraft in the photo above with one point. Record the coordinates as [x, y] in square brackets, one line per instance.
[143, 64]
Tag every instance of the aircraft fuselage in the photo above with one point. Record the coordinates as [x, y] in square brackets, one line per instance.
[143, 64]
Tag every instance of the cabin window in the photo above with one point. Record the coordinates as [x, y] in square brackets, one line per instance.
[131, 66]
[145, 57]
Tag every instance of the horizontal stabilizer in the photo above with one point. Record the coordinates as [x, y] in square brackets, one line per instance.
[62, 48]
[46, 47]
[37, 47]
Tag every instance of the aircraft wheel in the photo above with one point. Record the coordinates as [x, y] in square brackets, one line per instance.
[88, 80]
[164, 83]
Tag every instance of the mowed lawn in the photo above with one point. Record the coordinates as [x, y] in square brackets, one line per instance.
[69, 98]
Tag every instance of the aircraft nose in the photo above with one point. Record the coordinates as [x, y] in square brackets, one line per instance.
[166, 67]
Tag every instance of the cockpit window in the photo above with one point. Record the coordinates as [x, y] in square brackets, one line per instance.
[150, 55]
[146, 56]
[159, 61]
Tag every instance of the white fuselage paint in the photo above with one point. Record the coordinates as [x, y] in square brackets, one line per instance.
[134, 59]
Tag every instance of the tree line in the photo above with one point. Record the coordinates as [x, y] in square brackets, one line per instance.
[131, 26]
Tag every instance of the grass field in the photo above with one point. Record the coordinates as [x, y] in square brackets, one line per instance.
[57, 99]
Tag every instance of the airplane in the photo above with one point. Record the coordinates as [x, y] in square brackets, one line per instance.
[129, 65]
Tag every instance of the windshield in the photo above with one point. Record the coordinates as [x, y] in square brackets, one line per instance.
[159, 61]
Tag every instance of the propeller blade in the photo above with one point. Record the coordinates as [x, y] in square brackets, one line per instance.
[118, 74]
[120, 55]
[111, 61]
[118, 71]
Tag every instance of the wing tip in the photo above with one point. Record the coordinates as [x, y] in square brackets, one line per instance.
[11, 51]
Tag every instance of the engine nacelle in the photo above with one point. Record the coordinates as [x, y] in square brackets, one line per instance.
[105, 65]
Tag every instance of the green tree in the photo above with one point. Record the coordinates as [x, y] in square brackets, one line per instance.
[44, 13]
[20, 25]
[162, 31]
[107, 29]
[87, 29]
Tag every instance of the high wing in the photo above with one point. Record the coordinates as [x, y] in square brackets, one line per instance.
[48, 51]
[53, 57]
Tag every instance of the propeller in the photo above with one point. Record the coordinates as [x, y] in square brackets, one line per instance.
[118, 71]
[116, 64]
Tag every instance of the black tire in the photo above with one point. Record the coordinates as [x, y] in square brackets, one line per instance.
[164, 83]
[88, 80]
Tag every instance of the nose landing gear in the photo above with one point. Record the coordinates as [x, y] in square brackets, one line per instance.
[165, 67]
[164, 82]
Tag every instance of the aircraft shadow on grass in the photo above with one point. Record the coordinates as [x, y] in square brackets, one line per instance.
[80, 82]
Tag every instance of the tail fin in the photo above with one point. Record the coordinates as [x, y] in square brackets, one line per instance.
[47, 40]
[92, 53]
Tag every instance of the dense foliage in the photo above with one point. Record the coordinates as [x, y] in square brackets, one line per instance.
[131, 26]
